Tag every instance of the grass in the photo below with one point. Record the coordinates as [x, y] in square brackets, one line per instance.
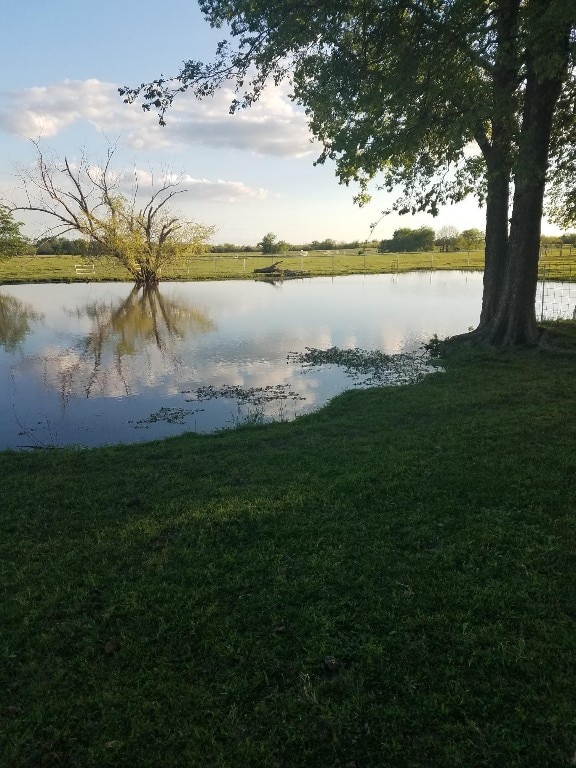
[390, 582]
[237, 266]
[559, 265]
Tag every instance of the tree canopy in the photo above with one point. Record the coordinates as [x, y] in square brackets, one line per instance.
[469, 239]
[407, 240]
[12, 242]
[402, 90]
[271, 244]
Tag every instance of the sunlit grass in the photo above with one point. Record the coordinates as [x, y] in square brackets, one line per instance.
[559, 265]
[237, 266]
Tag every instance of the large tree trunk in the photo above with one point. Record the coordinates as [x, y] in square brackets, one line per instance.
[510, 318]
[147, 277]
[496, 246]
[496, 147]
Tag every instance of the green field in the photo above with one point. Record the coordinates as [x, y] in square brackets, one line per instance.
[235, 266]
[388, 583]
[560, 265]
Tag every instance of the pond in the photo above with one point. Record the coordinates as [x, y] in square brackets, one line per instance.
[93, 364]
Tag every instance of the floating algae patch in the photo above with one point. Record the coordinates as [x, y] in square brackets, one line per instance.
[246, 395]
[255, 405]
[168, 415]
[369, 368]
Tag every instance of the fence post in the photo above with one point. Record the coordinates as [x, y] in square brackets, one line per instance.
[543, 286]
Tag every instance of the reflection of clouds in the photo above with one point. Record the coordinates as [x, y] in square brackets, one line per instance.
[133, 343]
[261, 374]
[74, 374]
[349, 342]
[97, 343]
[392, 339]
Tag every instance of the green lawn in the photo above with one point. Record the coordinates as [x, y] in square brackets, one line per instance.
[236, 266]
[559, 265]
[390, 582]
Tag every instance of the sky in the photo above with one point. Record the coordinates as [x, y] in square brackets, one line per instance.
[247, 174]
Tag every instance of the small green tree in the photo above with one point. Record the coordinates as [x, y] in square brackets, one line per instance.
[142, 238]
[402, 240]
[269, 243]
[423, 239]
[12, 242]
[470, 239]
[409, 240]
[384, 246]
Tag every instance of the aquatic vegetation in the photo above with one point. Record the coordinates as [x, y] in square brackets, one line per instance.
[245, 395]
[369, 368]
[169, 415]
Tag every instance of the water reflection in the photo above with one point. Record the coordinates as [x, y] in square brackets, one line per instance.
[127, 340]
[110, 363]
[144, 316]
[16, 318]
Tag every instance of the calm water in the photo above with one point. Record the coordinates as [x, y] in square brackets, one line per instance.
[102, 363]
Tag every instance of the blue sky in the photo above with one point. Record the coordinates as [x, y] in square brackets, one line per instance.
[246, 174]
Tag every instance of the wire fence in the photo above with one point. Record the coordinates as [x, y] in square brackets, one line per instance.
[555, 300]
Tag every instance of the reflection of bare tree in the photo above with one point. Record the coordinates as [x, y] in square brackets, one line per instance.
[15, 320]
[140, 333]
[144, 316]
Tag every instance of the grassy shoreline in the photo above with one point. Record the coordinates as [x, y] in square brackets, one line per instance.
[389, 582]
[30, 269]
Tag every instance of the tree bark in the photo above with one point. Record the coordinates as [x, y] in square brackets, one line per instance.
[513, 322]
[496, 148]
[496, 247]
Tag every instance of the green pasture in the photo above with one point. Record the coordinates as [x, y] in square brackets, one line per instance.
[387, 583]
[559, 264]
[235, 266]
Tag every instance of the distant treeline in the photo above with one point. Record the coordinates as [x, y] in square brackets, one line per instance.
[63, 246]
[315, 245]
[448, 238]
[404, 240]
[78, 247]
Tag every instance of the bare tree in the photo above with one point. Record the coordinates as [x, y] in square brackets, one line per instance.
[447, 238]
[86, 198]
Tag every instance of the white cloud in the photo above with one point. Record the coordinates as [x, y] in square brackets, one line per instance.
[273, 126]
[45, 111]
[190, 188]
[221, 191]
